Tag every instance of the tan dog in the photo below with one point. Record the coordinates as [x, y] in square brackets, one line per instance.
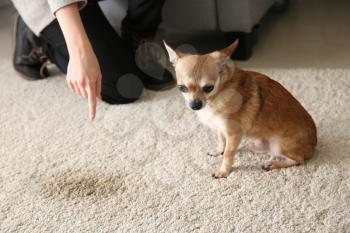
[244, 106]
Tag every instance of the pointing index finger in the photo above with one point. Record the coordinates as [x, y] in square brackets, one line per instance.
[91, 91]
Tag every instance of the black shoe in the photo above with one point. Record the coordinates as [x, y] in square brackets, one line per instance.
[28, 60]
[151, 59]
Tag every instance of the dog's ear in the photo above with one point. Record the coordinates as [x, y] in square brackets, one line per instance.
[225, 54]
[173, 54]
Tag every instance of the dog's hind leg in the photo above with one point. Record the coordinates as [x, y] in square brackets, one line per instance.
[290, 157]
[279, 162]
[259, 145]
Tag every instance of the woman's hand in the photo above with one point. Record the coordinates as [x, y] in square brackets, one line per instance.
[83, 73]
[84, 77]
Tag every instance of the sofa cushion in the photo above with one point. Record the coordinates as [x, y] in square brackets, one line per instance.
[241, 15]
[190, 15]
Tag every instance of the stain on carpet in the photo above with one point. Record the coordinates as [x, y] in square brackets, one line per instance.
[77, 184]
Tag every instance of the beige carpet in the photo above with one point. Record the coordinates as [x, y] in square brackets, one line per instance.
[143, 167]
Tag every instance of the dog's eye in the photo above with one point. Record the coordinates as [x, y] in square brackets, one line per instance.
[183, 88]
[208, 88]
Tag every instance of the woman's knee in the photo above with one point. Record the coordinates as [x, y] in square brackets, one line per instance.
[126, 89]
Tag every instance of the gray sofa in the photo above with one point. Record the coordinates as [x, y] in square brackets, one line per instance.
[234, 18]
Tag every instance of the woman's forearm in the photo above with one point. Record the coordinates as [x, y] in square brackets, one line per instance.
[72, 28]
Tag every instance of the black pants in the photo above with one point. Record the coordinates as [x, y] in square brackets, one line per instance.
[121, 79]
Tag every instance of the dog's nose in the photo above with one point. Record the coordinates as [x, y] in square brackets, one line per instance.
[196, 104]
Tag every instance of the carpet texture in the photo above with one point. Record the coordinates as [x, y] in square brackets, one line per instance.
[143, 167]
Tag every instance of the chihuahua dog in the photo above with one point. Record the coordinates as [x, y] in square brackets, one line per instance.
[244, 106]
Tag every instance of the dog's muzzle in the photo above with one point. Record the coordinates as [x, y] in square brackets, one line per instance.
[196, 104]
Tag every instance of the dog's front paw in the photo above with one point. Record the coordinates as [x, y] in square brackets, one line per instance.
[215, 153]
[220, 174]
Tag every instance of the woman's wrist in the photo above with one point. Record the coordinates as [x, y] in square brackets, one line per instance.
[79, 47]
